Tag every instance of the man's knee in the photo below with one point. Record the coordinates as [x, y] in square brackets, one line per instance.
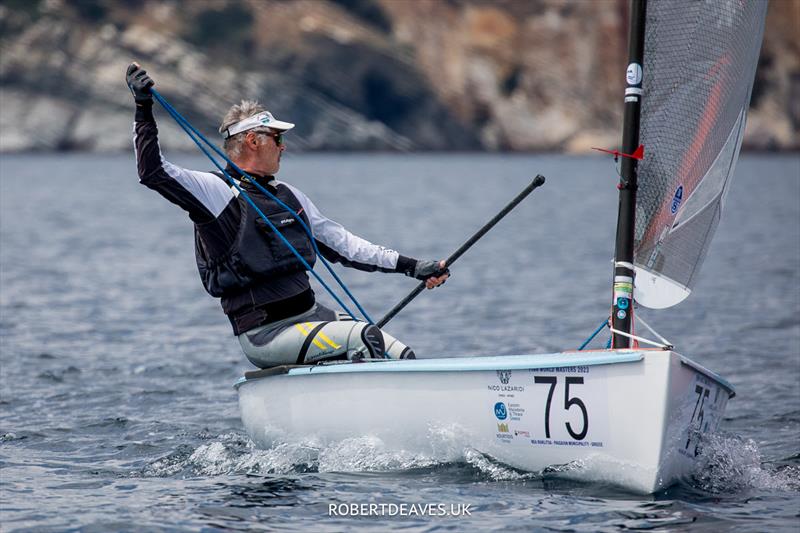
[372, 337]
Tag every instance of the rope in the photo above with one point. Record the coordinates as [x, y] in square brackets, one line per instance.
[193, 134]
[593, 335]
[641, 339]
[654, 332]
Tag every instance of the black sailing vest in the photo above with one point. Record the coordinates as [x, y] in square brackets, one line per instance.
[257, 253]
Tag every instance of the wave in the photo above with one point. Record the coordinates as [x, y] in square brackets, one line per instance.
[235, 454]
[726, 464]
[731, 464]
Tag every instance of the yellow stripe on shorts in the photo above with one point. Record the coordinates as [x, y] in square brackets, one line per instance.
[328, 340]
[317, 343]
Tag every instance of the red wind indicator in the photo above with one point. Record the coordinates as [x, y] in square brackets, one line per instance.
[638, 154]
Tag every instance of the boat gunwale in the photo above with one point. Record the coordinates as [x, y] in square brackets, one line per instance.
[709, 374]
[459, 364]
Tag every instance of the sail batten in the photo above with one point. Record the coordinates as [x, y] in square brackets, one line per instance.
[699, 65]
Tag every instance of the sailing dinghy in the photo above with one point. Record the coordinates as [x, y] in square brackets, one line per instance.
[628, 415]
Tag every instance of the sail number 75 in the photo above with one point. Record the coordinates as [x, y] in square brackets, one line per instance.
[697, 417]
[569, 401]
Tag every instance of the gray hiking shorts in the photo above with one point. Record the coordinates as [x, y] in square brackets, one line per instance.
[318, 335]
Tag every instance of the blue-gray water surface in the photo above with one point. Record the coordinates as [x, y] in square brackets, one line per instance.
[117, 411]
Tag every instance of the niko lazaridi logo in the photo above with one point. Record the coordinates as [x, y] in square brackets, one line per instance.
[504, 376]
[500, 411]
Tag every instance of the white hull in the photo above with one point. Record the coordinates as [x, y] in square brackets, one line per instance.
[627, 417]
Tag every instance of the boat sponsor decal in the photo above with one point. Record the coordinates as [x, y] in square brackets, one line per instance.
[569, 407]
[705, 402]
[676, 200]
[581, 419]
[503, 433]
[621, 314]
[558, 406]
[580, 443]
[504, 386]
[623, 288]
[515, 411]
[564, 369]
[634, 74]
[623, 303]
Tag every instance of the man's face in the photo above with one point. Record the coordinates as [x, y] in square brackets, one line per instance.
[269, 146]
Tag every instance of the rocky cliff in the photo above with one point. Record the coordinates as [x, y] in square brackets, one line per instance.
[353, 74]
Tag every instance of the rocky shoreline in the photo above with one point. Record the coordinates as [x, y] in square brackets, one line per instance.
[383, 75]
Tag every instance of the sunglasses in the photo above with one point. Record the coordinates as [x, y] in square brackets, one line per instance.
[277, 136]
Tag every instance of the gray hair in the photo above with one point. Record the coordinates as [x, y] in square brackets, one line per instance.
[237, 113]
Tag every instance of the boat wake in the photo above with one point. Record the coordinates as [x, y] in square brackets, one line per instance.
[727, 463]
[232, 453]
[235, 454]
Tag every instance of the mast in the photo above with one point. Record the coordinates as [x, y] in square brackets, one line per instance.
[622, 306]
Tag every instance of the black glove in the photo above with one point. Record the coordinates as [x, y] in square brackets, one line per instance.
[139, 83]
[426, 269]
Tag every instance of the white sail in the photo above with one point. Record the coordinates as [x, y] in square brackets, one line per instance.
[699, 64]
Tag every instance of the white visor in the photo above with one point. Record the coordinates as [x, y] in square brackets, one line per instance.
[261, 120]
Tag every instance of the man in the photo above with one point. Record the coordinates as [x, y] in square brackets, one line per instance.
[263, 288]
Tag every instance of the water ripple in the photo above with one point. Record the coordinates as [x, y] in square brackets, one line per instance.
[116, 368]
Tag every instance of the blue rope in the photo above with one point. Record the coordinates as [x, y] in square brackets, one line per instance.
[192, 132]
[181, 120]
[593, 335]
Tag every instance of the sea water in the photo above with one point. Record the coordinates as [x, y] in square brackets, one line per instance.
[117, 411]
